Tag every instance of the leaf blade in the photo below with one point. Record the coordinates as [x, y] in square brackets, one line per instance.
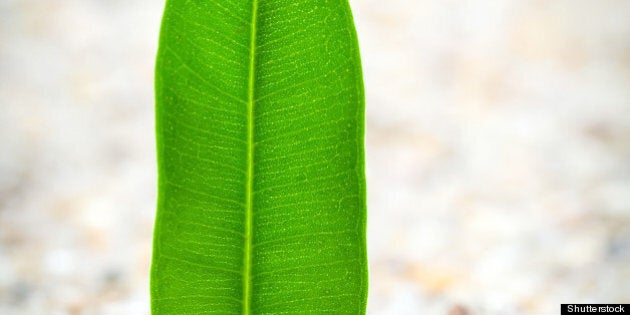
[261, 203]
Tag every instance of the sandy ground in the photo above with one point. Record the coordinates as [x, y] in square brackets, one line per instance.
[498, 154]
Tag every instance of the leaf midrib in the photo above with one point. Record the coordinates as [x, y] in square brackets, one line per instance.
[247, 263]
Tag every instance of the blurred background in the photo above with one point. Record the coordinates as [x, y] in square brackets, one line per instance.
[498, 154]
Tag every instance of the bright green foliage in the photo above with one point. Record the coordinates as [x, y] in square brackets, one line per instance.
[260, 114]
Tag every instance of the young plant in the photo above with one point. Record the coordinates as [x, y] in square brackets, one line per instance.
[260, 123]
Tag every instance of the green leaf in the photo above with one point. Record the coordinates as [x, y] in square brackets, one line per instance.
[260, 123]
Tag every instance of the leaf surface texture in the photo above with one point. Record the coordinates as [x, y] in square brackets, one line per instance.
[260, 122]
